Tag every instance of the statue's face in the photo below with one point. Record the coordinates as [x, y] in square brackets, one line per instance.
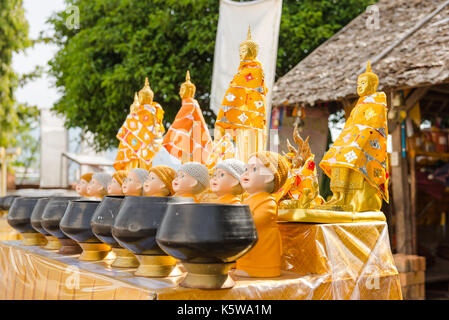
[145, 98]
[256, 177]
[243, 52]
[132, 185]
[184, 183]
[114, 188]
[222, 183]
[95, 189]
[154, 186]
[81, 187]
[182, 92]
[364, 86]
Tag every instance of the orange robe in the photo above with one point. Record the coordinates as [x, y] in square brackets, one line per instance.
[188, 138]
[243, 105]
[229, 199]
[264, 259]
[362, 145]
[140, 136]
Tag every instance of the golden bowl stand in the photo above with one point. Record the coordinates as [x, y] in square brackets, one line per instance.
[124, 258]
[33, 239]
[52, 243]
[3, 213]
[208, 275]
[155, 266]
[94, 251]
[69, 246]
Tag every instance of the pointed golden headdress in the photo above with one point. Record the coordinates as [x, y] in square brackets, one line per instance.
[372, 77]
[189, 87]
[253, 47]
[146, 94]
[135, 105]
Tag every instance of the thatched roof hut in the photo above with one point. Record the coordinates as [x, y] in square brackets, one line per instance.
[409, 50]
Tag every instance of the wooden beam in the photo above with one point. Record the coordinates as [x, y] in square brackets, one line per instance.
[414, 97]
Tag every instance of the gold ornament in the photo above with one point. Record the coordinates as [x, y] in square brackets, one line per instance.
[367, 82]
[187, 88]
[146, 95]
[249, 48]
[135, 106]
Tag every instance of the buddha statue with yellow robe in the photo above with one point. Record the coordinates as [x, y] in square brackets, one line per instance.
[141, 135]
[188, 137]
[357, 161]
[242, 111]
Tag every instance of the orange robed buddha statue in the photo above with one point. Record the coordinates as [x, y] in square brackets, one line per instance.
[243, 107]
[188, 138]
[141, 134]
[357, 161]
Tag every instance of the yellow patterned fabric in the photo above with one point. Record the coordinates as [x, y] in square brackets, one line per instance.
[140, 136]
[243, 105]
[188, 137]
[362, 145]
[222, 149]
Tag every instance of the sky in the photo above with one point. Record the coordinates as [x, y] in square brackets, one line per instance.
[40, 92]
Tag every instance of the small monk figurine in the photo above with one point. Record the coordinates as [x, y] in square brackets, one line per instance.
[133, 185]
[225, 182]
[141, 134]
[159, 182]
[357, 161]
[188, 137]
[264, 174]
[243, 108]
[191, 180]
[98, 185]
[115, 186]
[81, 186]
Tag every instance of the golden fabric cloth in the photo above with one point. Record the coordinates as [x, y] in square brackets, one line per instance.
[243, 105]
[286, 214]
[222, 149]
[362, 145]
[264, 259]
[229, 199]
[188, 137]
[6, 231]
[140, 136]
[320, 261]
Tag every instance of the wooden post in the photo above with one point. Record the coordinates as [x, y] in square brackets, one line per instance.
[4, 172]
[401, 193]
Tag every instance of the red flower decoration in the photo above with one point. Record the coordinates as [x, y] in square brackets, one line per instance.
[249, 77]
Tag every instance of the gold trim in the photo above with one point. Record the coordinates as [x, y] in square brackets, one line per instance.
[33, 239]
[327, 216]
[155, 266]
[208, 275]
[94, 251]
[124, 259]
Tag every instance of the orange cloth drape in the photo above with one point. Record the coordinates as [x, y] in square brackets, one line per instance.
[264, 259]
[140, 136]
[362, 145]
[243, 105]
[188, 138]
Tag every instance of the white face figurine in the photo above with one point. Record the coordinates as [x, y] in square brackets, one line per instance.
[132, 185]
[154, 186]
[95, 189]
[256, 177]
[223, 183]
[184, 183]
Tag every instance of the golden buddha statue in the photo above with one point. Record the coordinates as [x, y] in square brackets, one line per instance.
[357, 161]
[188, 137]
[243, 107]
[141, 134]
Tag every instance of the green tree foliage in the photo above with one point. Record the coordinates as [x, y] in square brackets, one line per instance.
[120, 42]
[13, 38]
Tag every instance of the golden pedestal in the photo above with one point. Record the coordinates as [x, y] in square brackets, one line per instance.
[93, 251]
[124, 259]
[208, 276]
[52, 243]
[3, 213]
[327, 216]
[33, 239]
[155, 266]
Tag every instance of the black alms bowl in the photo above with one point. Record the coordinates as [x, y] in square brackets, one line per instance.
[136, 224]
[52, 215]
[36, 215]
[6, 202]
[207, 232]
[20, 213]
[104, 217]
[76, 221]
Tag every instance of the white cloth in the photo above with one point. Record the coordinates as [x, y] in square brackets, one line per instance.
[264, 17]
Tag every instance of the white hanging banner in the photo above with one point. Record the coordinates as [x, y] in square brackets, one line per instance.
[264, 17]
